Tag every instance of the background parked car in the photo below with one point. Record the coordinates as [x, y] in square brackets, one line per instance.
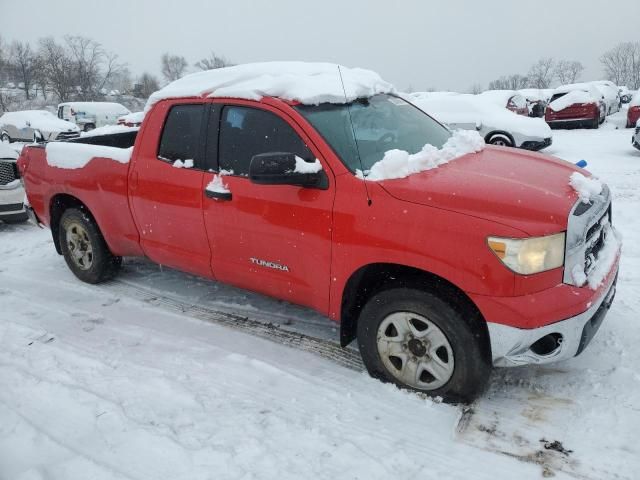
[635, 140]
[537, 99]
[131, 120]
[611, 95]
[577, 104]
[89, 115]
[497, 125]
[11, 191]
[35, 125]
[633, 114]
[509, 99]
[625, 94]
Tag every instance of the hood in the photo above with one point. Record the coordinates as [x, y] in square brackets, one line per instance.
[520, 189]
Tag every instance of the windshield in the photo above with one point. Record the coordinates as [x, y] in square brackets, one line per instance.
[380, 123]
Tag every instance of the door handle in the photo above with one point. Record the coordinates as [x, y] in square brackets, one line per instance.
[218, 195]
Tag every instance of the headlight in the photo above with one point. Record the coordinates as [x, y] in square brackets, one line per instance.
[530, 255]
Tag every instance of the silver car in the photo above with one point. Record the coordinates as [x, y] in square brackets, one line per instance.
[12, 208]
[35, 126]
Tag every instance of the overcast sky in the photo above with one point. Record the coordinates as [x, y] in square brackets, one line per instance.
[446, 44]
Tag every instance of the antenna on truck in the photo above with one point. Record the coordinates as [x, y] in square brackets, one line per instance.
[353, 132]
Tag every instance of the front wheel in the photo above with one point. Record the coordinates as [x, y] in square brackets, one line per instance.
[418, 341]
[89, 126]
[84, 249]
[500, 140]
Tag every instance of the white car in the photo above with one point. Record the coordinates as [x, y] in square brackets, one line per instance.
[611, 95]
[132, 120]
[497, 125]
[90, 115]
[34, 126]
[11, 191]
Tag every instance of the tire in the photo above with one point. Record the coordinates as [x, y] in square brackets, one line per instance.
[500, 139]
[89, 126]
[93, 262]
[452, 351]
[5, 137]
[596, 122]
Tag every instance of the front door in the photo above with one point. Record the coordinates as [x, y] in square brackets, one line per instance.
[275, 239]
[166, 188]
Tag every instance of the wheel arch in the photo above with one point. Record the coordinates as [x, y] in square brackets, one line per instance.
[493, 133]
[57, 206]
[373, 278]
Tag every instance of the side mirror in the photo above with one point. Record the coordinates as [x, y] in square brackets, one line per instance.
[38, 137]
[279, 168]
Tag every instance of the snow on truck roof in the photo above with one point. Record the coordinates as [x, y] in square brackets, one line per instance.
[307, 83]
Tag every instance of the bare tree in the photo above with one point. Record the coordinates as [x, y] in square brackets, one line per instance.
[501, 83]
[567, 71]
[622, 64]
[120, 81]
[58, 68]
[93, 66]
[541, 73]
[475, 89]
[173, 66]
[146, 85]
[517, 81]
[25, 64]
[213, 61]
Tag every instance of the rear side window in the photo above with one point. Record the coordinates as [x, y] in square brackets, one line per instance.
[246, 131]
[181, 134]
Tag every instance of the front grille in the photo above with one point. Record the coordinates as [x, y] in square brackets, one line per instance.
[596, 236]
[67, 135]
[8, 172]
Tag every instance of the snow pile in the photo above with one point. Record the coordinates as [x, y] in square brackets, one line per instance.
[588, 188]
[571, 98]
[302, 166]
[185, 164]
[108, 130]
[77, 155]
[307, 83]
[217, 185]
[401, 164]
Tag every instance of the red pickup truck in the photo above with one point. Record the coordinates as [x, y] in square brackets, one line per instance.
[488, 260]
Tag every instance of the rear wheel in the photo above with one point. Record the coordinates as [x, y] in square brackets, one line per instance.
[84, 249]
[418, 341]
[500, 139]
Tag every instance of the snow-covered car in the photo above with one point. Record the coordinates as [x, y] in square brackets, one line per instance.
[625, 94]
[635, 140]
[497, 125]
[576, 104]
[537, 99]
[131, 120]
[90, 115]
[633, 114]
[34, 126]
[611, 95]
[11, 191]
[509, 99]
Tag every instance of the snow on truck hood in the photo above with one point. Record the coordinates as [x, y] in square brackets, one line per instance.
[523, 190]
[307, 83]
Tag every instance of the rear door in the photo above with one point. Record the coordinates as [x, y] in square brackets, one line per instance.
[275, 239]
[165, 185]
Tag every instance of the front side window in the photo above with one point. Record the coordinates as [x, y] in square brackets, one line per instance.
[380, 123]
[181, 134]
[246, 131]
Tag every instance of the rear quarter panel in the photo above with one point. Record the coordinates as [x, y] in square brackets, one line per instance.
[101, 186]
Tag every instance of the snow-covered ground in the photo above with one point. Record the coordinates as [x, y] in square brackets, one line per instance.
[136, 379]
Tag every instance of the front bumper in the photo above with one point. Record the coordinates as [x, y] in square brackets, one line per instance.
[11, 199]
[570, 122]
[512, 346]
[537, 144]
